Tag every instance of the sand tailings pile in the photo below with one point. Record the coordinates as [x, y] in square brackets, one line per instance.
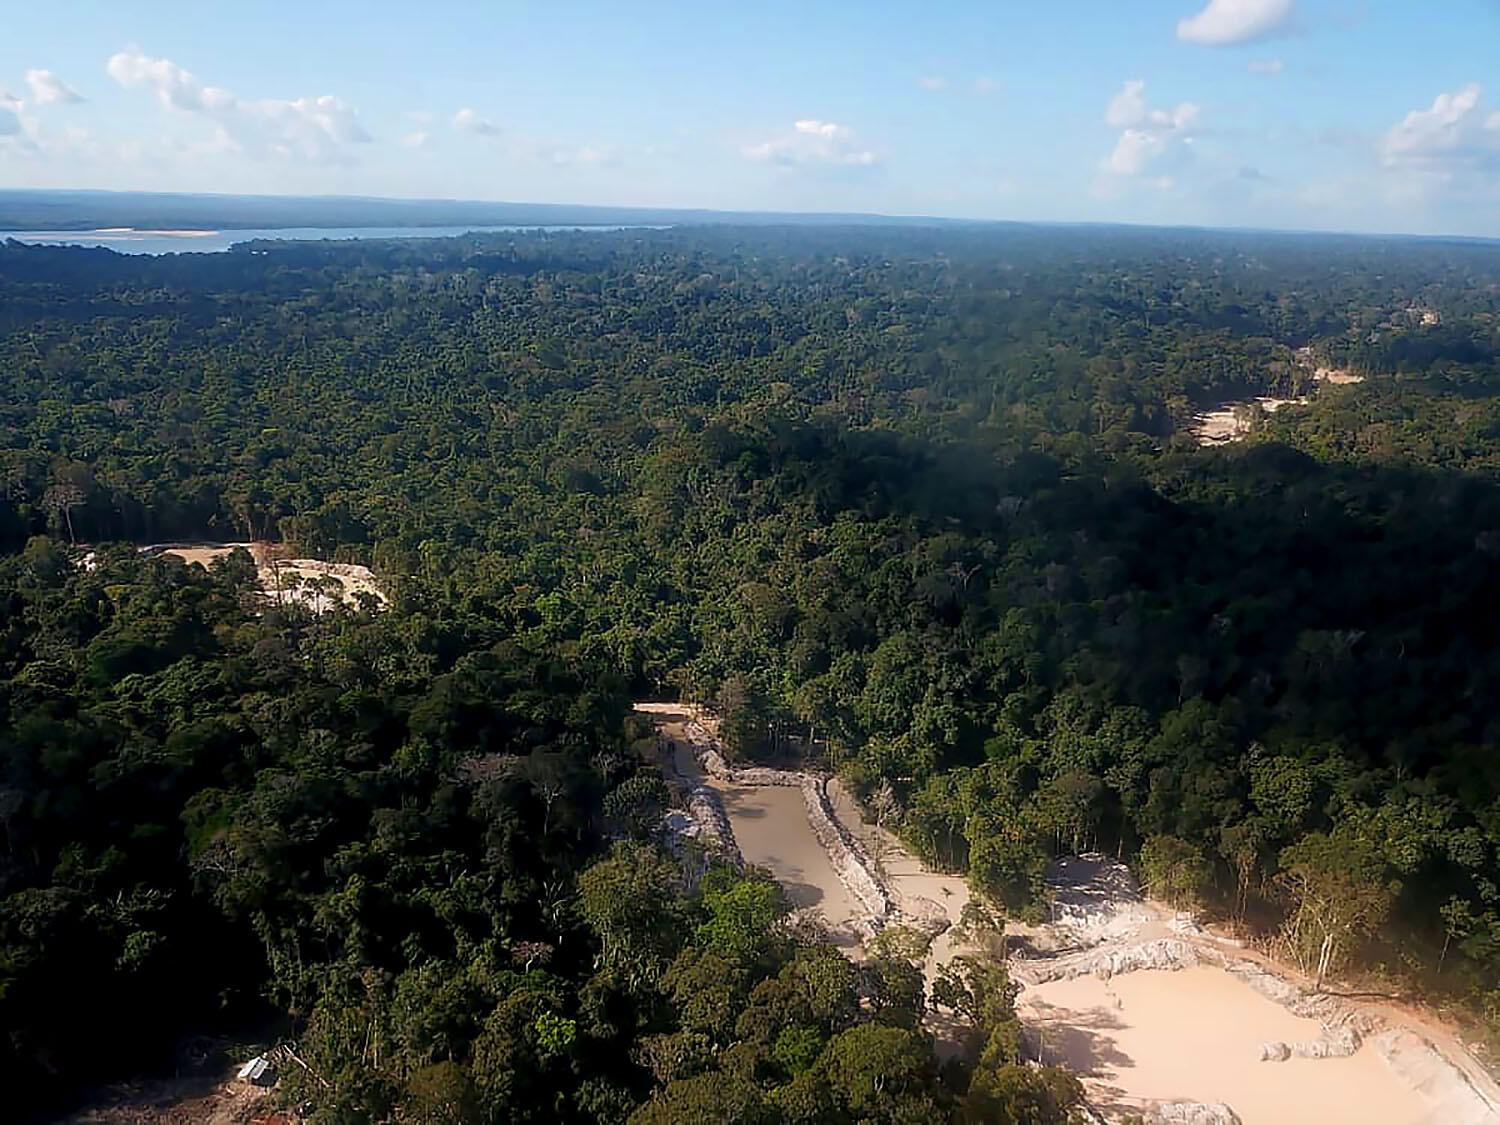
[1163, 1021]
[1231, 421]
[1152, 1037]
[314, 583]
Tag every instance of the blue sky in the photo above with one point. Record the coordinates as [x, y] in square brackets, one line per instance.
[1333, 114]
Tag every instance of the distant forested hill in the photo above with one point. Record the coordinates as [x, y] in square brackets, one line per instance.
[919, 503]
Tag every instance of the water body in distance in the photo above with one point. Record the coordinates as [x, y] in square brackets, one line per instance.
[127, 240]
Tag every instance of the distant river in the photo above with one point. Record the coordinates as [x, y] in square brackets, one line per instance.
[131, 241]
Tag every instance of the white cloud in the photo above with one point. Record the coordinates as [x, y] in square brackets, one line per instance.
[1128, 107]
[469, 121]
[812, 142]
[315, 128]
[1134, 151]
[420, 139]
[933, 82]
[985, 85]
[1446, 139]
[10, 117]
[1147, 135]
[48, 89]
[1266, 66]
[587, 156]
[175, 87]
[1226, 22]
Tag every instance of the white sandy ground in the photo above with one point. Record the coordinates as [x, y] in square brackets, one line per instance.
[1220, 426]
[1140, 1038]
[1337, 377]
[321, 585]
[1195, 1034]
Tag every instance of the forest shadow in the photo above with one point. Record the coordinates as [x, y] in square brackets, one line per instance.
[737, 805]
[1078, 1039]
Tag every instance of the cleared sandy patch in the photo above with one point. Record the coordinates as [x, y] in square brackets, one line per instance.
[203, 556]
[1196, 1034]
[1337, 377]
[1230, 422]
[317, 584]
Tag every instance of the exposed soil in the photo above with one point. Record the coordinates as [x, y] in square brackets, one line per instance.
[317, 584]
[1147, 1008]
[1226, 423]
[1196, 1034]
[197, 1101]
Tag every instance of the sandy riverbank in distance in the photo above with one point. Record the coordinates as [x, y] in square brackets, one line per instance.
[132, 232]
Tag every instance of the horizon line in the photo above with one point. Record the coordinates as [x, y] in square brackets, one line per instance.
[884, 218]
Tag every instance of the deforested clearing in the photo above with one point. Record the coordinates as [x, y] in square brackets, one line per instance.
[317, 584]
[1195, 1034]
[1232, 420]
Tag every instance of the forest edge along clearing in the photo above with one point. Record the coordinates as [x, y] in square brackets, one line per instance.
[317, 584]
[1150, 1010]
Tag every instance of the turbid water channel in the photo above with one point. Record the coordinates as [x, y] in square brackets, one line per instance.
[770, 826]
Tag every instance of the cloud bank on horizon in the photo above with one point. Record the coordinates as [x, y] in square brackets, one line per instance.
[1289, 113]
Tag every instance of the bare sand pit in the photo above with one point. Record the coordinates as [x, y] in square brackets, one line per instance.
[1096, 996]
[1195, 1035]
[1231, 421]
[314, 583]
[1337, 377]
[203, 556]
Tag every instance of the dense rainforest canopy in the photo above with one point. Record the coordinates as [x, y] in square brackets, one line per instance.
[920, 504]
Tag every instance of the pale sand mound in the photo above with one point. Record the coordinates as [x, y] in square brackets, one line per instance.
[1196, 1034]
[317, 584]
[1225, 423]
[203, 556]
[1337, 377]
